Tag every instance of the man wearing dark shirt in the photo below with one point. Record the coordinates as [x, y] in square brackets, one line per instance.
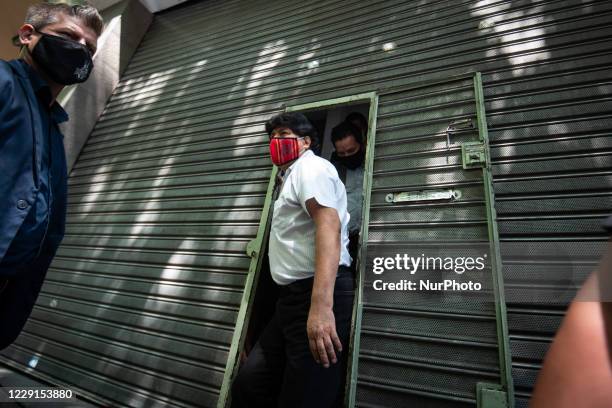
[348, 158]
[57, 45]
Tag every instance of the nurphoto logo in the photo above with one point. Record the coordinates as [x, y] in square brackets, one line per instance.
[414, 264]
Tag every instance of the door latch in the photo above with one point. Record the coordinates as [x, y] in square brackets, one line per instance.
[457, 126]
[473, 155]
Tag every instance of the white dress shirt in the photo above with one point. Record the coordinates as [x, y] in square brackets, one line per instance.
[291, 249]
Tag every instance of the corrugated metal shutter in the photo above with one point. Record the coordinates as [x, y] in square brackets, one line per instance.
[188, 112]
[552, 153]
[428, 347]
[140, 305]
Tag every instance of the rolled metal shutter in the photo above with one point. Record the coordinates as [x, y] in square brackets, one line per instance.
[140, 304]
[552, 166]
[429, 347]
[214, 70]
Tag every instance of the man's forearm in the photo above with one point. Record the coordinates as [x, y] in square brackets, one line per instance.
[327, 257]
[321, 325]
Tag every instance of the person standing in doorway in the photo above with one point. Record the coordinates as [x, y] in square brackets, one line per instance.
[349, 158]
[301, 357]
[358, 120]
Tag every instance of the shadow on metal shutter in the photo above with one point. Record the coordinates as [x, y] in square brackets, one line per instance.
[141, 302]
[552, 166]
[430, 348]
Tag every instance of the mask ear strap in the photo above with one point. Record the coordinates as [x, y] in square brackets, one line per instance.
[304, 137]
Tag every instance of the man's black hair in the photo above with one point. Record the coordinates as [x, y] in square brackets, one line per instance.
[297, 122]
[357, 117]
[345, 129]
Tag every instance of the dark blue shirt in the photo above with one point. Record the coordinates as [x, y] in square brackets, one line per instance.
[27, 243]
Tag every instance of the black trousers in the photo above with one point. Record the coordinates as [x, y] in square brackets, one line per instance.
[18, 294]
[280, 370]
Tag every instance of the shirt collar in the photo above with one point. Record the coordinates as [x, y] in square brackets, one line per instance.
[290, 168]
[43, 93]
[58, 113]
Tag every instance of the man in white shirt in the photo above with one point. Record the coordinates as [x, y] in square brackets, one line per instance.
[300, 359]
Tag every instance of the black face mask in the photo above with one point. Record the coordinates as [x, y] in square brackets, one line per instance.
[65, 61]
[353, 161]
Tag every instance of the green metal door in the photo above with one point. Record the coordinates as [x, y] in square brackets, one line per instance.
[430, 193]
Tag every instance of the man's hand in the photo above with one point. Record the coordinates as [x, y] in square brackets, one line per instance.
[322, 336]
[321, 325]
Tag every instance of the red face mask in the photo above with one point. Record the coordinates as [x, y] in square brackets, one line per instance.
[284, 150]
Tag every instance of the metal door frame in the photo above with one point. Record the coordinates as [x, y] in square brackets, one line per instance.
[253, 250]
[505, 361]
[505, 358]
[372, 98]
[254, 247]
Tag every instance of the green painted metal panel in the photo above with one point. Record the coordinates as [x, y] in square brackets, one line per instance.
[429, 348]
[551, 163]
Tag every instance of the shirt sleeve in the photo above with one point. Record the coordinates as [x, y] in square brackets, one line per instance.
[317, 182]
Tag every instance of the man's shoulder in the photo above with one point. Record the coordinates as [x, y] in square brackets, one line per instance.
[314, 160]
[316, 165]
[8, 78]
[357, 170]
[7, 72]
[314, 169]
[5, 67]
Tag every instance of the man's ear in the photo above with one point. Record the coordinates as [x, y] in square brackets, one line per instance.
[26, 34]
[307, 141]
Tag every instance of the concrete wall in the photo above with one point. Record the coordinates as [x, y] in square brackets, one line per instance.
[126, 24]
[153, 6]
[11, 18]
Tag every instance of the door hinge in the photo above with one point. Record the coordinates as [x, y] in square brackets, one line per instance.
[491, 396]
[473, 155]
